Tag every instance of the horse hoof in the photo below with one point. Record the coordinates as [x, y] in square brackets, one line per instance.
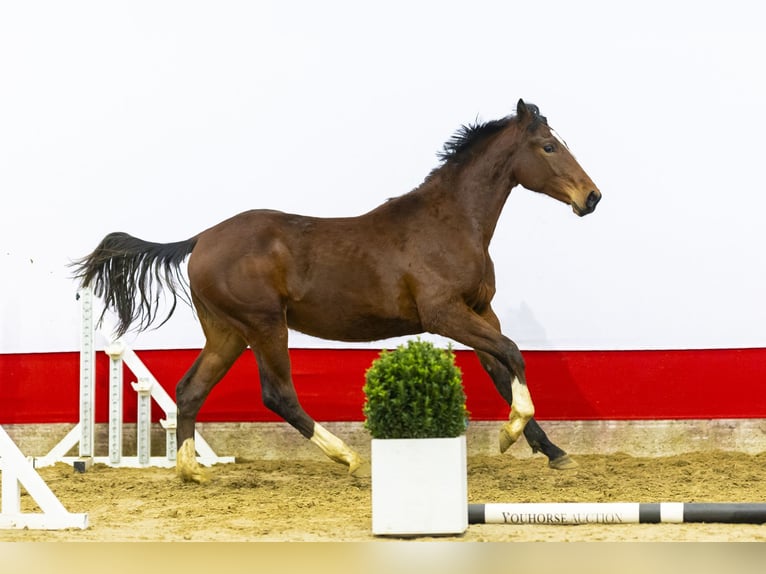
[198, 476]
[511, 431]
[506, 440]
[187, 467]
[361, 469]
[564, 462]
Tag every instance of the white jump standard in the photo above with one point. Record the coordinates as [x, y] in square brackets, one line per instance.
[147, 389]
[571, 513]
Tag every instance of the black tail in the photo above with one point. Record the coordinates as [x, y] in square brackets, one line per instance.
[129, 273]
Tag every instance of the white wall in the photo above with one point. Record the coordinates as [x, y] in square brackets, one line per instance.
[162, 118]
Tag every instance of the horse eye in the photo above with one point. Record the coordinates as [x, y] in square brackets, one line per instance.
[549, 148]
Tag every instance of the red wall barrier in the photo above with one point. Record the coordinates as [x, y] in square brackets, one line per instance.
[566, 385]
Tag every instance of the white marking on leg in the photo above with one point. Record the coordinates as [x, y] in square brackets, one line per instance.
[335, 448]
[522, 400]
[187, 467]
[522, 409]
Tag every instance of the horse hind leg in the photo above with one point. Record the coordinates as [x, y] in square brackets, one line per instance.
[338, 451]
[220, 352]
[279, 396]
[281, 399]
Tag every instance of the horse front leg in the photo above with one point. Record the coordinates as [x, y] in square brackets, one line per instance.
[558, 459]
[502, 360]
[482, 333]
[512, 386]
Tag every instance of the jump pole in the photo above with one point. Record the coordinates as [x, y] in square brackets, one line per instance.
[571, 513]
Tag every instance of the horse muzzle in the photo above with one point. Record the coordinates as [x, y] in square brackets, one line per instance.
[590, 204]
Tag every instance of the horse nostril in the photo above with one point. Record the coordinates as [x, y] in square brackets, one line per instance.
[593, 199]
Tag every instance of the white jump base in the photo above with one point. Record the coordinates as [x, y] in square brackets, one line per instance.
[572, 513]
[17, 471]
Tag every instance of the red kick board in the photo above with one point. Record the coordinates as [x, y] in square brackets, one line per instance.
[565, 385]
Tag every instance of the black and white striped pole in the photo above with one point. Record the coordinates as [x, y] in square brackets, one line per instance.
[616, 513]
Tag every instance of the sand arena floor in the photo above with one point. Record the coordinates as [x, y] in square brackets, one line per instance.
[307, 500]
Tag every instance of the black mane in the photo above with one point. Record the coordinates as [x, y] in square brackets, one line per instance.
[467, 136]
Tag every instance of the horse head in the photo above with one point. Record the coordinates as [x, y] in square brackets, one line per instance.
[543, 163]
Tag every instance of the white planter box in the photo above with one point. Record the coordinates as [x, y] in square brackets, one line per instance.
[419, 486]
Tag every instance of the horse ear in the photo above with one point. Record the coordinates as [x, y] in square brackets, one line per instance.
[521, 108]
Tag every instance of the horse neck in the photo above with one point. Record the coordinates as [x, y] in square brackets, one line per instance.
[479, 187]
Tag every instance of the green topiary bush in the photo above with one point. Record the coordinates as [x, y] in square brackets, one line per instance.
[415, 391]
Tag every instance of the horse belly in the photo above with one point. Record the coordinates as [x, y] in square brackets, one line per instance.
[338, 319]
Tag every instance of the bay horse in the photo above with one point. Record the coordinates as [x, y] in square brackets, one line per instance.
[417, 263]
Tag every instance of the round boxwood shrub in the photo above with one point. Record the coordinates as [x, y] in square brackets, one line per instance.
[415, 391]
